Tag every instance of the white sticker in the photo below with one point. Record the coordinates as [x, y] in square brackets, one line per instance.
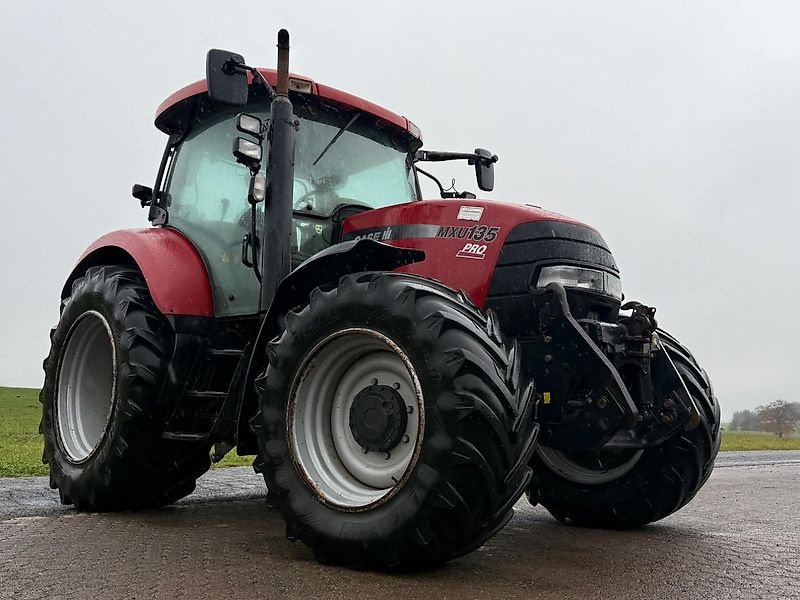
[477, 251]
[470, 213]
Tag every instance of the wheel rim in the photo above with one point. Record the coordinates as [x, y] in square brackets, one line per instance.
[594, 468]
[336, 401]
[85, 390]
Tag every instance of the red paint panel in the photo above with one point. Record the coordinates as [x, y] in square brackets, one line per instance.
[172, 268]
[449, 259]
[323, 91]
[351, 101]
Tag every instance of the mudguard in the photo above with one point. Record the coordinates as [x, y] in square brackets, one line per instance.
[333, 263]
[173, 269]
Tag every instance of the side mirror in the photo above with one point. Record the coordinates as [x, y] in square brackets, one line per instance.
[227, 80]
[484, 169]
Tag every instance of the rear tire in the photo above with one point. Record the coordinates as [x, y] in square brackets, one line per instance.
[628, 489]
[102, 417]
[457, 435]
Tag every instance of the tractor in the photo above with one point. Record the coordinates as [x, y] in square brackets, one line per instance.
[402, 369]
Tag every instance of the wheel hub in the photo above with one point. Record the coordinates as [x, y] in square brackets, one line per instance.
[85, 393]
[356, 390]
[378, 418]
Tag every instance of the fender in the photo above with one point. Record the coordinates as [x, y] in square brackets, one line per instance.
[173, 269]
[324, 267]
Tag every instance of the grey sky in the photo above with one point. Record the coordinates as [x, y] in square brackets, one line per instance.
[672, 127]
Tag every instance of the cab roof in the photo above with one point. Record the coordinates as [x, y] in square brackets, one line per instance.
[171, 110]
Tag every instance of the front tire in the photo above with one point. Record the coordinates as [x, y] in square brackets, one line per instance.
[391, 433]
[102, 415]
[626, 489]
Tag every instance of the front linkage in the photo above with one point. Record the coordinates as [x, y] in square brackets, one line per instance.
[610, 385]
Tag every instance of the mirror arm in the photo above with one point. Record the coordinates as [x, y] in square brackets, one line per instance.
[436, 156]
[267, 87]
[429, 176]
[232, 66]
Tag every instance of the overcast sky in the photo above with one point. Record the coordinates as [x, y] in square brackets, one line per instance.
[672, 127]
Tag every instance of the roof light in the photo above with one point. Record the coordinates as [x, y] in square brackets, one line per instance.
[414, 130]
[300, 85]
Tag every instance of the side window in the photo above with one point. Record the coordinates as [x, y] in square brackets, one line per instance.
[208, 203]
[206, 183]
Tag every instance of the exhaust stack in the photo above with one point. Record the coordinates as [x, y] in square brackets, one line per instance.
[276, 234]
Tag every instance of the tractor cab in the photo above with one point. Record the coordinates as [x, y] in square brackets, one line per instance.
[350, 156]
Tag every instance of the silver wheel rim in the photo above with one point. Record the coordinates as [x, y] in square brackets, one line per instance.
[324, 448]
[576, 472]
[86, 386]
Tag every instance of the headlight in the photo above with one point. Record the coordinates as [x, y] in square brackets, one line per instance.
[581, 278]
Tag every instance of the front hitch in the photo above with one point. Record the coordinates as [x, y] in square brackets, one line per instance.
[577, 368]
[583, 400]
[668, 406]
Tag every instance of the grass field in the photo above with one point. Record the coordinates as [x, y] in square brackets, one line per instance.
[758, 440]
[21, 444]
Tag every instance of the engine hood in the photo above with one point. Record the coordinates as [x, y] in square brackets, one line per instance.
[462, 238]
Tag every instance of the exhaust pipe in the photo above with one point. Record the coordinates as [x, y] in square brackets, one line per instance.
[276, 234]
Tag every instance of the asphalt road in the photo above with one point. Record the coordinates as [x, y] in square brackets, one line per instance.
[740, 538]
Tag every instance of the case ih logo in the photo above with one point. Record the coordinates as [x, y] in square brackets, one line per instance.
[384, 234]
[472, 251]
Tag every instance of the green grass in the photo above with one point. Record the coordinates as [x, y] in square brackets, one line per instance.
[21, 444]
[231, 460]
[758, 440]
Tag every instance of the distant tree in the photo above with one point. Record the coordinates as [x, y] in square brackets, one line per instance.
[779, 417]
[745, 420]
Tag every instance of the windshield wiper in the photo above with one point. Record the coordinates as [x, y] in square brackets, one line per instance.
[336, 137]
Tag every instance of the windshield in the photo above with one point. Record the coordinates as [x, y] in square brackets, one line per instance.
[368, 165]
[362, 166]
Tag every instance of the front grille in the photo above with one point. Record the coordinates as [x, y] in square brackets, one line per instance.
[528, 248]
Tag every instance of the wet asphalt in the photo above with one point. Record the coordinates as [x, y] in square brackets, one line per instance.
[739, 538]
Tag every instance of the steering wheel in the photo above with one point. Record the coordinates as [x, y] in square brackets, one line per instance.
[324, 186]
[308, 191]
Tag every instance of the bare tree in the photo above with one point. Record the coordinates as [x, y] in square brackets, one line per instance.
[779, 417]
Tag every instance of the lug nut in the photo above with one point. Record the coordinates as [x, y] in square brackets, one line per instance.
[388, 455]
[409, 409]
[406, 439]
[396, 385]
[548, 339]
[548, 357]
[602, 402]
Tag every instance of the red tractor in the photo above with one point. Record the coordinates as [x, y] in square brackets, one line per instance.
[403, 369]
